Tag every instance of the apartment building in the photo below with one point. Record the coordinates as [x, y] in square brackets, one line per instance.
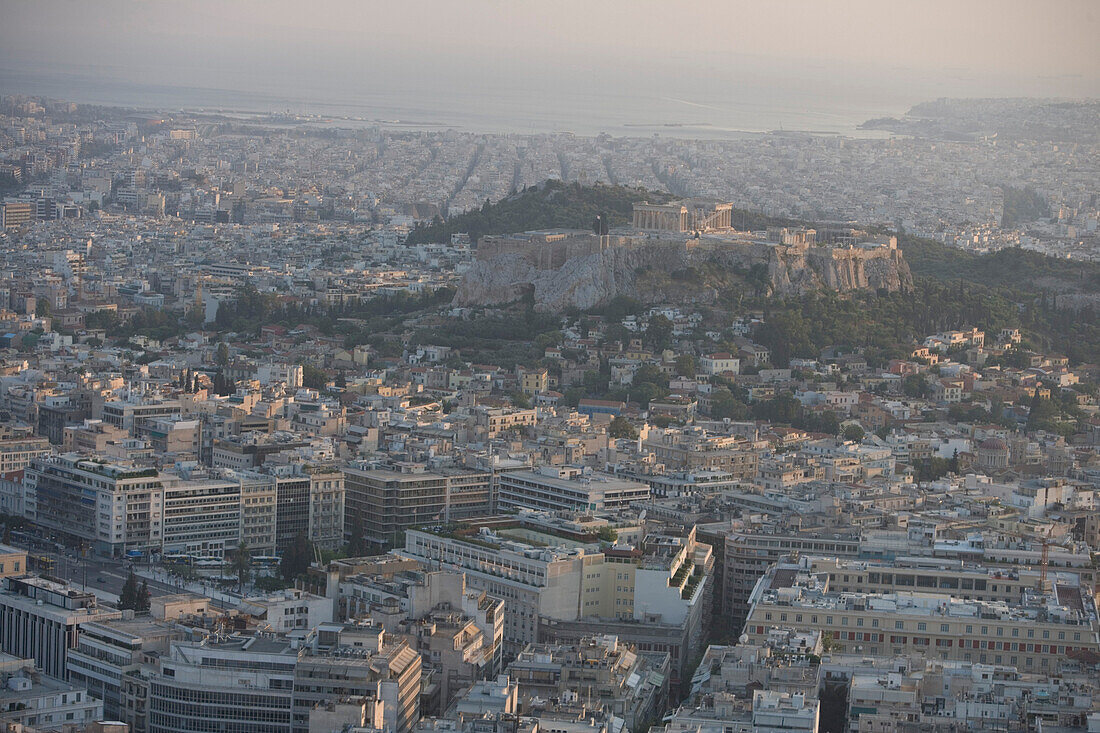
[108, 506]
[751, 550]
[108, 651]
[41, 619]
[695, 448]
[117, 508]
[42, 702]
[567, 488]
[1035, 632]
[612, 675]
[394, 598]
[661, 587]
[384, 503]
[347, 660]
[224, 683]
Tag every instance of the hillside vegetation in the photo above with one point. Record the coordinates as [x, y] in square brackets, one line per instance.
[953, 288]
[1011, 268]
[553, 205]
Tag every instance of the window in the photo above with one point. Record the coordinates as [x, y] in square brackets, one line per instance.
[922, 626]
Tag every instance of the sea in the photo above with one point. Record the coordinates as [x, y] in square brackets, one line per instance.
[668, 109]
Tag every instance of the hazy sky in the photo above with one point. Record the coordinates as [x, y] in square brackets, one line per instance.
[876, 49]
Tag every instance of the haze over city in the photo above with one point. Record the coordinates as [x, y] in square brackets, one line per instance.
[539, 67]
[549, 367]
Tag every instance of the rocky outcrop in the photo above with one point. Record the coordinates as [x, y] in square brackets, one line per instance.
[591, 280]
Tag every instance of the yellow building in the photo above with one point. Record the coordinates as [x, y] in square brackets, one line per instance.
[534, 382]
[13, 561]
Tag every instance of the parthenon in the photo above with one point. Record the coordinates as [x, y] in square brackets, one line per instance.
[687, 215]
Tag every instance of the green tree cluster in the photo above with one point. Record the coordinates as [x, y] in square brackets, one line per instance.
[135, 597]
[296, 558]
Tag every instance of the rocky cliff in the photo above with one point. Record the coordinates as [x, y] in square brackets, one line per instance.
[642, 272]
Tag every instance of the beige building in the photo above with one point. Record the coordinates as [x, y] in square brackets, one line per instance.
[692, 448]
[13, 561]
[1029, 628]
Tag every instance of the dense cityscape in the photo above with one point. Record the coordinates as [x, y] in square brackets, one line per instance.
[316, 424]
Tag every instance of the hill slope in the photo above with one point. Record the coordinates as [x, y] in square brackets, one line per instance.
[553, 205]
[549, 205]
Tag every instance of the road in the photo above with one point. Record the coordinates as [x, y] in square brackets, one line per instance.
[105, 576]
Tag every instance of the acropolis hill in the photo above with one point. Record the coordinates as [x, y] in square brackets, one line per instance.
[565, 268]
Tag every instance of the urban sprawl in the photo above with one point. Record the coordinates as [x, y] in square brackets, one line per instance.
[243, 489]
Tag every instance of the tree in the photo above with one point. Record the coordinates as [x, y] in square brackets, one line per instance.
[658, 333]
[620, 427]
[296, 558]
[143, 601]
[357, 543]
[313, 377]
[685, 365]
[42, 308]
[915, 385]
[724, 405]
[854, 433]
[222, 386]
[1041, 414]
[128, 598]
[221, 356]
[241, 565]
[650, 373]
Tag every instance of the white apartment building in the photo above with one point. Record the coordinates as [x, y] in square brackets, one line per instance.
[667, 583]
[567, 488]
